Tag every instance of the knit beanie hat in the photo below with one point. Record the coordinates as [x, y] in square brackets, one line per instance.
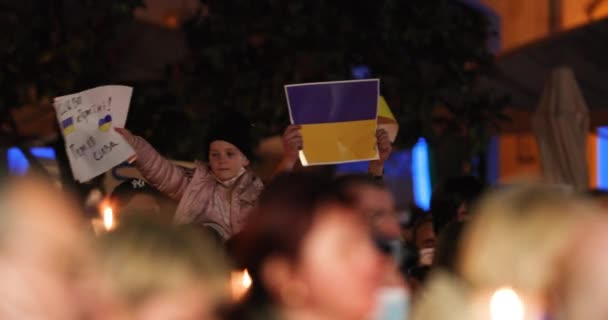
[232, 127]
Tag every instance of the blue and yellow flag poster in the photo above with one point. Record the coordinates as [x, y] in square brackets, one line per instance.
[338, 120]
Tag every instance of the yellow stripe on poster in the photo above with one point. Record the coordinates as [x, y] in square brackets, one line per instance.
[386, 119]
[339, 142]
[383, 110]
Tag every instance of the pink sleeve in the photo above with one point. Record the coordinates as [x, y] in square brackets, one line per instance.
[158, 171]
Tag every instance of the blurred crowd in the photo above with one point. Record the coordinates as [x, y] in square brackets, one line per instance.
[315, 247]
[216, 243]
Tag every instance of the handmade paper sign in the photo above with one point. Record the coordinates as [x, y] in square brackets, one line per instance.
[386, 119]
[338, 120]
[87, 120]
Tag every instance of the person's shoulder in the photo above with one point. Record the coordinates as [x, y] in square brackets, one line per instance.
[256, 181]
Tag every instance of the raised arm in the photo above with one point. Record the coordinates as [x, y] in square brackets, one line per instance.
[158, 171]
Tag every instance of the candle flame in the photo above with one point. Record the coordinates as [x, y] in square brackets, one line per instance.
[246, 279]
[506, 305]
[240, 283]
[108, 218]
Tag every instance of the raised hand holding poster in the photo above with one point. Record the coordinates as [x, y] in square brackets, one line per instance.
[338, 120]
[87, 120]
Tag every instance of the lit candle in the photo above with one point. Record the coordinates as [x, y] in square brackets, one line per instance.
[108, 218]
[506, 305]
[240, 283]
[106, 222]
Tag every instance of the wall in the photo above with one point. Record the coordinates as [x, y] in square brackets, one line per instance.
[519, 158]
[524, 21]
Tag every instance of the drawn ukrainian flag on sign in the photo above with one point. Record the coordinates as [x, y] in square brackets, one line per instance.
[67, 125]
[338, 120]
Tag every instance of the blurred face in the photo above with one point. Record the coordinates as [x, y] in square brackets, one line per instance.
[184, 304]
[226, 160]
[339, 267]
[585, 281]
[379, 207]
[425, 236]
[46, 267]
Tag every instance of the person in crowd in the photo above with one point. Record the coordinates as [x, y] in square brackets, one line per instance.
[136, 196]
[157, 272]
[424, 235]
[373, 198]
[452, 200]
[47, 268]
[218, 195]
[516, 239]
[448, 247]
[443, 258]
[409, 220]
[310, 254]
[581, 287]
[375, 202]
[424, 246]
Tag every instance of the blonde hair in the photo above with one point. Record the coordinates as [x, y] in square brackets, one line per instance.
[518, 235]
[518, 238]
[143, 258]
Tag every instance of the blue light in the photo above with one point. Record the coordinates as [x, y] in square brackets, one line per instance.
[43, 152]
[602, 158]
[361, 72]
[421, 175]
[17, 163]
[359, 167]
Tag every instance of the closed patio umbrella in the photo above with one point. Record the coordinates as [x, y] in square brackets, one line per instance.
[561, 124]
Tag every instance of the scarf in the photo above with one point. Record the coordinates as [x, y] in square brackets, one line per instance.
[230, 182]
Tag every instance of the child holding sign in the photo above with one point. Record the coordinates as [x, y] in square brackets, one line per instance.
[218, 195]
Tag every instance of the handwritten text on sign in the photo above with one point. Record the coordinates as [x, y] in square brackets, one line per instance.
[86, 120]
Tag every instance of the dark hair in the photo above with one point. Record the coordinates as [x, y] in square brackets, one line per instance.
[285, 214]
[349, 180]
[448, 245]
[125, 191]
[415, 214]
[344, 184]
[450, 195]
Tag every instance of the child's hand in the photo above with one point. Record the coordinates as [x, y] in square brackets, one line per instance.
[125, 134]
[129, 137]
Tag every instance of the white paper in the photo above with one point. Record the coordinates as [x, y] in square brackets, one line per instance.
[87, 120]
